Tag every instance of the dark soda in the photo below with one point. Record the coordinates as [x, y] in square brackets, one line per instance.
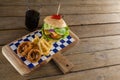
[32, 19]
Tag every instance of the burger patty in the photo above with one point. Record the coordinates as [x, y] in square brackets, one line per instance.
[53, 34]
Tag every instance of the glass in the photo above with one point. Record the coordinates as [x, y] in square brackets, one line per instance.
[32, 19]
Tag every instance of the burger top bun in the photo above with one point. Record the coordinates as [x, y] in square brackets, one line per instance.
[58, 23]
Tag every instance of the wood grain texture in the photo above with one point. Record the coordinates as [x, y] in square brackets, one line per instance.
[15, 61]
[70, 9]
[7, 72]
[15, 34]
[96, 44]
[107, 73]
[85, 31]
[85, 44]
[2, 58]
[96, 22]
[82, 62]
[54, 2]
[89, 61]
[19, 22]
[99, 30]
[62, 62]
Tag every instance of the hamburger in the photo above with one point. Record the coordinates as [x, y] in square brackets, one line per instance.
[54, 28]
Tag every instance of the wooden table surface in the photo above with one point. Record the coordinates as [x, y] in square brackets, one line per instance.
[96, 22]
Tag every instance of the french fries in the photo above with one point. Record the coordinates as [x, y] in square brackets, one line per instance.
[44, 45]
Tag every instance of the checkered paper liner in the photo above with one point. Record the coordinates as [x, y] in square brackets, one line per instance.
[57, 46]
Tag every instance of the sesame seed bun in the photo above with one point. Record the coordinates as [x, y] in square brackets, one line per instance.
[55, 22]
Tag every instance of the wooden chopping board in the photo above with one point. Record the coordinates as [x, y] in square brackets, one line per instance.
[24, 67]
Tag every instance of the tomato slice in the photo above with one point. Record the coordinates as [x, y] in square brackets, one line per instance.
[58, 17]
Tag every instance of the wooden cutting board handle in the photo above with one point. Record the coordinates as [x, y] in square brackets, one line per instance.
[63, 63]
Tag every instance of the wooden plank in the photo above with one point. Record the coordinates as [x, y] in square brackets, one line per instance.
[107, 73]
[22, 2]
[48, 10]
[13, 35]
[62, 62]
[2, 58]
[100, 56]
[92, 19]
[88, 61]
[85, 31]
[19, 22]
[53, 2]
[88, 31]
[96, 44]
[12, 22]
[83, 61]
[15, 61]
[85, 45]
[7, 72]
[15, 22]
[20, 10]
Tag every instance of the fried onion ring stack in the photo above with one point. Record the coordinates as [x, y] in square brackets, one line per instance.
[33, 51]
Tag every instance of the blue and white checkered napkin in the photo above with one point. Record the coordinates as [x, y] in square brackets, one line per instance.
[57, 46]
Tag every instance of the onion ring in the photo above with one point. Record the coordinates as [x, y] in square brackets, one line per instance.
[24, 48]
[34, 55]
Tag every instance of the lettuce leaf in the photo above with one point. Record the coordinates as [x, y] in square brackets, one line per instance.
[60, 31]
[46, 26]
[64, 32]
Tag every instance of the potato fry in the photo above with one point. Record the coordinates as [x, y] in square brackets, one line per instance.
[36, 39]
[45, 46]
